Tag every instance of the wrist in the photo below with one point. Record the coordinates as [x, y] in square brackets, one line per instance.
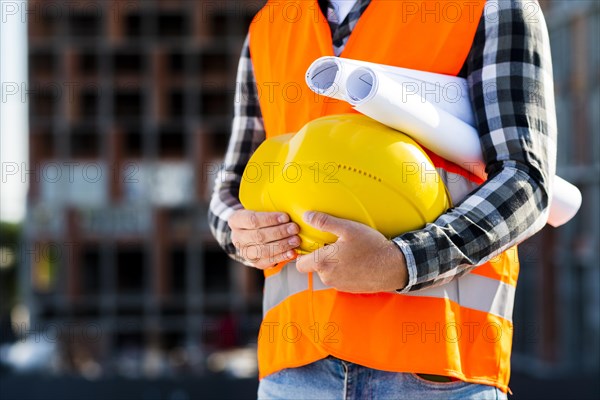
[397, 278]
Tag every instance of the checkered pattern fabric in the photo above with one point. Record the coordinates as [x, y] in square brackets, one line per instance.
[340, 30]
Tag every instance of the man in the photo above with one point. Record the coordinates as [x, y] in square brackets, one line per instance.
[428, 313]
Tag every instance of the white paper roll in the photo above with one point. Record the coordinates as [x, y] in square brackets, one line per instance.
[564, 203]
[418, 103]
[328, 76]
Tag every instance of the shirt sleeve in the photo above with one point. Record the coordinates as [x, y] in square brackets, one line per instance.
[247, 134]
[509, 75]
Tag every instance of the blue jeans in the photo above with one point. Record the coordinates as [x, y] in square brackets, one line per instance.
[332, 378]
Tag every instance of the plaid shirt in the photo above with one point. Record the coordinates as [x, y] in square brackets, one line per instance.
[509, 75]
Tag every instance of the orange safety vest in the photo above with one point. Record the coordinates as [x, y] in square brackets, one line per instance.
[461, 329]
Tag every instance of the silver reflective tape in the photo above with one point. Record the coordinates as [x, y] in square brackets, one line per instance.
[476, 292]
[285, 283]
[487, 294]
[470, 291]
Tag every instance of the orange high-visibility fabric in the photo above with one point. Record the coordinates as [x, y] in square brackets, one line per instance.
[386, 331]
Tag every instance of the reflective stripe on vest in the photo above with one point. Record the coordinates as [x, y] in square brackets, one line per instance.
[471, 291]
[462, 328]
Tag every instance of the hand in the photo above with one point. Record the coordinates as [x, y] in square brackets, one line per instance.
[264, 238]
[362, 260]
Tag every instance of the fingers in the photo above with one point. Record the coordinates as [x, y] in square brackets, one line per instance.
[328, 223]
[264, 238]
[320, 261]
[265, 235]
[247, 219]
[265, 256]
[279, 258]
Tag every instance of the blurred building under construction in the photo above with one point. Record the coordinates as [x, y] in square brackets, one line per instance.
[131, 105]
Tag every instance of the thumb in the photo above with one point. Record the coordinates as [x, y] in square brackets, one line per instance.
[328, 223]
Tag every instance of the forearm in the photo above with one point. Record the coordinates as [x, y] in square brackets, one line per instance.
[247, 133]
[506, 210]
[510, 81]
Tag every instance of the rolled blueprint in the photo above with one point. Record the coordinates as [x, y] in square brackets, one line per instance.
[328, 76]
[401, 99]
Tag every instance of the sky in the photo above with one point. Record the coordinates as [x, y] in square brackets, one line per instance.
[13, 112]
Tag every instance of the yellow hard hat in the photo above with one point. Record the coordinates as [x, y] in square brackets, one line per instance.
[349, 166]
